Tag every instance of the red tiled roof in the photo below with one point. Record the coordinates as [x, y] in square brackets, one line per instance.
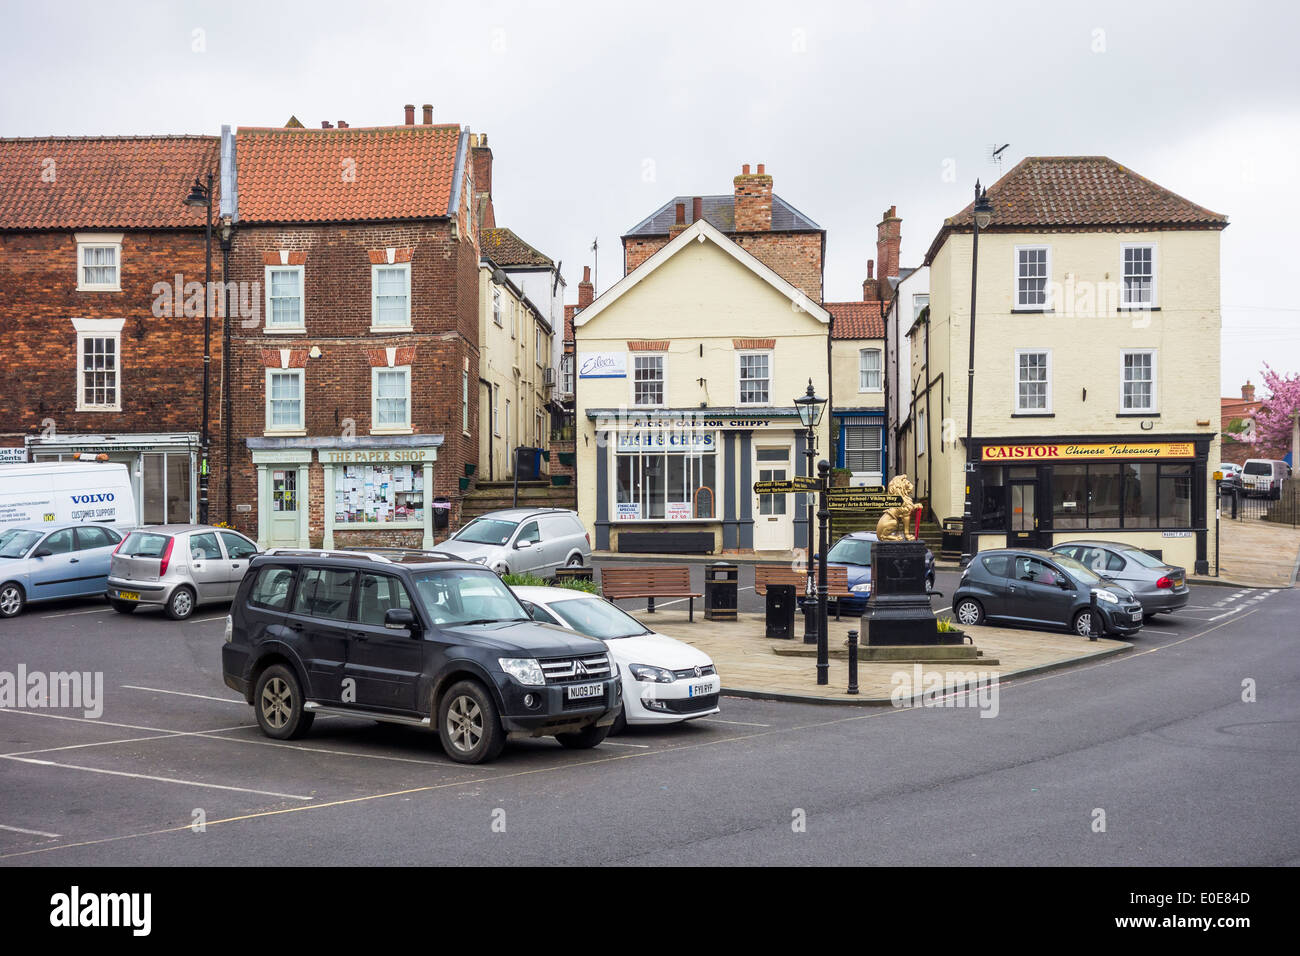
[118, 182]
[353, 174]
[1081, 192]
[504, 248]
[856, 320]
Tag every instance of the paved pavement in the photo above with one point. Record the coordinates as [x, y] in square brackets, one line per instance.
[1159, 740]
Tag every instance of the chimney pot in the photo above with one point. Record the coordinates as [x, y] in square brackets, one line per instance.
[343, 124]
[1248, 392]
[428, 114]
[586, 273]
[325, 124]
[744, 170]
[681, 213]
[761, 168]
[697, 208]
[410, 114]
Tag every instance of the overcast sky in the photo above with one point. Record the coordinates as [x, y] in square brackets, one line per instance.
[598, 113]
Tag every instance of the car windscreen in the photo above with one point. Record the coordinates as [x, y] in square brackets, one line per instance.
[15, 542]
[850, 551]
[1144, 559]
[1080, 572]
[486, 531]
[1258, 468]
[466, 597]
[144, 544]
[596, 617]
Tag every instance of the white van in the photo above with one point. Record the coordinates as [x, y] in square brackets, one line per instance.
[59, 491]
[1264, 476]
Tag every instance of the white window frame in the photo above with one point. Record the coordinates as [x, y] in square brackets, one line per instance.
[539, 346]
[1016, 304]
[663, 379]
[99, 329]
[880, 370]
[1124, 302]
[496, 307]
[917, 305]
[1016, 408]
[496, 411]
[402, 428]
[301, 327]
[300, 428]
[771, 376]
[464, 402]
[375, 326]
[922, 435]
[1155, 382]
[566, 373]
[90, 240]
[514, 318]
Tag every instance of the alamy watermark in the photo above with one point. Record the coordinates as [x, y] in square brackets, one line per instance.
[930, 688]
[55, 690]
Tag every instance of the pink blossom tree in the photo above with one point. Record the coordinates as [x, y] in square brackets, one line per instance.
[1274, 418]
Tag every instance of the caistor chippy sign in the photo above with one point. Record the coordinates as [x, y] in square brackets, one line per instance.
[1067, 452]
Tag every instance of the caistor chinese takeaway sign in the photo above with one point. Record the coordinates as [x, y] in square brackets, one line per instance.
[1071, 452]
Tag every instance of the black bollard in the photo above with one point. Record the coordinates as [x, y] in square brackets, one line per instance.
[1094, 616]
[853, 662]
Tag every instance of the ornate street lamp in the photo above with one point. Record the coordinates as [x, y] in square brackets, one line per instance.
[201, 195]
[983, 215]
[810, 408]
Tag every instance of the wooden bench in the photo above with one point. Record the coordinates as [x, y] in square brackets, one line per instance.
[649, 582]
[777, 575]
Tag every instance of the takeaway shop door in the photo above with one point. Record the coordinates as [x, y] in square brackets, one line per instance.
[1023, 532]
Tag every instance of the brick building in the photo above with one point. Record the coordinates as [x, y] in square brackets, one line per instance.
[753, 217]
[1237, 426]
[101, 308]
[354, 384]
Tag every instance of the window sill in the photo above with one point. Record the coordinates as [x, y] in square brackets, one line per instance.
[1137, 308]
[293, 433]
[381, 329]
[99, 288]
[1023, 311]
[1138, 415]
[288, 330]
[99, 408]
[871, 391]
[1033, 414]
[392, 431]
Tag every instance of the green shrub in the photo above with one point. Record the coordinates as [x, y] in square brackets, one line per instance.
[945, 625]
[579, 585]
[523, 581]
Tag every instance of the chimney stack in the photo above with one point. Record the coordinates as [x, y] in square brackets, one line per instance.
[325, 124]
[679, 224]
[697, 208]
[410, 114]
[1248, 392]
[753, 210]
[428, 114]
[889, 235]
[342, 125]
[586, 292]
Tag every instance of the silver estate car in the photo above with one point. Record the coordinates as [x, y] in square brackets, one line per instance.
[1160, 588]
[523, 541]
[177, 567]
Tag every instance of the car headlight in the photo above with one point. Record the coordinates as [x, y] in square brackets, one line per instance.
[481, 559]
[1110, 597]
[861, 588]
[648, 672]
[523, 669]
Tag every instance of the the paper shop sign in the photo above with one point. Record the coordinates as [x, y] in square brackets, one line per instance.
[1066, 452]
[381, 455]
[602, 365]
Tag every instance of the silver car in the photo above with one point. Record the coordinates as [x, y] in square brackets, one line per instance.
[523, 541]
[1160, 588]
[177, 567]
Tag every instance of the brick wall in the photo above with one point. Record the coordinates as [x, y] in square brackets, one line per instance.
[161, 360]
[337, 309]
[794, 256]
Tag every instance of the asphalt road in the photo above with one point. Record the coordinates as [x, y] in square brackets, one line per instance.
[1158, 740]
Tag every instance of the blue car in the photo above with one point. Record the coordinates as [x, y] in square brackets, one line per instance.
[853, 551]
[44, 562]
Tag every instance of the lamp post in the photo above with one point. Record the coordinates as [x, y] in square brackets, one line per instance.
[983, 214]
[823, 526]
[810, 408]
[201, 195]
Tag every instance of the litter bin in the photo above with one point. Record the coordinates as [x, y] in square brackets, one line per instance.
[441, 513]
[780, 611]
[721, 581]
[951, 536]
[575, 574]
[528, 463]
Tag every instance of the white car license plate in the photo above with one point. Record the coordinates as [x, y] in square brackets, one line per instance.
[1137, 615]
[700, 690]
[586, 691]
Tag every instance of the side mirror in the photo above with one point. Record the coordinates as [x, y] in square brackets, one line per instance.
[521, 544]
[400, 619]
[42, 553]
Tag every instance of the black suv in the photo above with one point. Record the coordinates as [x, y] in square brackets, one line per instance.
[416, 638]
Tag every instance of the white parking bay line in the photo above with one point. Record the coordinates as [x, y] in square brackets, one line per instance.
[616, 743]
[205, 620]
[145, 776]
[738, 723]
[93, 610]
[181, 693]
[41, 833]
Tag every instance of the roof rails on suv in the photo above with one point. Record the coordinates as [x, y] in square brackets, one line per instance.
[373, 555]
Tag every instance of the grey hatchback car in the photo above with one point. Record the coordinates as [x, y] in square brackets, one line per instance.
[1040, 588]
[177, 567]
[1159, 587]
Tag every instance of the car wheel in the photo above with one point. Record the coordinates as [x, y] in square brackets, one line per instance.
[279, 703]
[968, 612]
[12, 600]
[584, 739]
[468, 724]
[619, 725]
[1083, 623]
[575, 561]
[123, 607]
[181, 604]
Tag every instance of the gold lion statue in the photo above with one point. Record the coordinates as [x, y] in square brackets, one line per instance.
[895, 523]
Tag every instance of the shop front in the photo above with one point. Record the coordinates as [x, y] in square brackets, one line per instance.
[681, 480]
[163, 468]
[377, 491]
[1037, 493]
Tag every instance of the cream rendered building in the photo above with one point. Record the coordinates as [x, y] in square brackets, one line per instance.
[688, 369]
[1096, 364]
[515, 373]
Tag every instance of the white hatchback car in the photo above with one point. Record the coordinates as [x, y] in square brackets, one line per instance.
[665, 681]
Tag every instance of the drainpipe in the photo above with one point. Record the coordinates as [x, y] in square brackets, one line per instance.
[929, 449]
